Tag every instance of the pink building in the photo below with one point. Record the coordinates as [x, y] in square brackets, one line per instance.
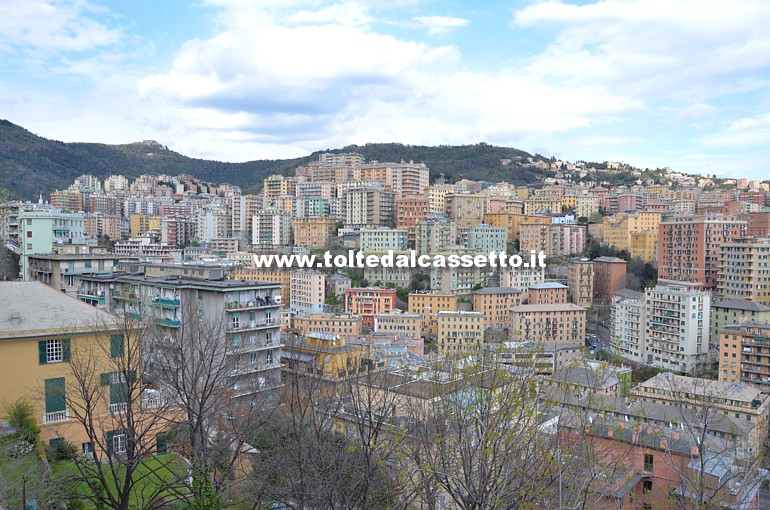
[573, 239]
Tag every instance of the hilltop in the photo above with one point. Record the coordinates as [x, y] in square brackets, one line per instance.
[30, 164]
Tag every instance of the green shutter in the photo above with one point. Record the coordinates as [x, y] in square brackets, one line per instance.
[162, 448]
[104, 379]
[42, 356]
[109, 436]
[65, 350]
[56, 441]
[118, 393]
[131, 377]
[117, 346]
[54, 395]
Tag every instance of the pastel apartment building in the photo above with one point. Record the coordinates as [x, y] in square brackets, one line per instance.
[308, 292]
[609, 277]
[495, 303]
[557, 323]
[368, 302]
[547, 293]
[580, 281]
[460, 332]
[428, 304]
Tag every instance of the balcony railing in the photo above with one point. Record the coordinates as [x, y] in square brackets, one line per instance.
[56, 417]
[171, 323]
[153, 400]
[118, 408]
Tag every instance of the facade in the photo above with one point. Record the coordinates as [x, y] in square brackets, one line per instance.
[677, 326]
[409, 210]
[688, 247]
[460, 332]
[457, 280]
[368, 302]
[609, 277]
[736, 311]
[434, 234]
[40, 328]
[42, 229]
[464, 209]
[559, 323]
[377, 239]
[279, 276]
[63, 272]
[495, 303]
[428, 304]
[337, 284]
[521, 278]
[342, 324]
[580, 280]
[399, 323]
[628, 320]
[484, 238]
[744, 355]
[743, 270]
[368, 207]
[143, 223]
[314, 232]
[547, 293]
[324, 356]
[382, 275]
[643, 245]
[308, 292]
[271, 229]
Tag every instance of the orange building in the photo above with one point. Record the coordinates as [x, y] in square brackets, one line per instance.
[343, 324]
[428, 304]
[408, 211]
[314, 232]
[368, 302]
[609, 277]
[495, 303]
[547, 293]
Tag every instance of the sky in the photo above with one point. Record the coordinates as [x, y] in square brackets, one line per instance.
[654, 83]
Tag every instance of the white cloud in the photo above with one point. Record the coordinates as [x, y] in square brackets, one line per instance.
[440, 24]
[747, 131]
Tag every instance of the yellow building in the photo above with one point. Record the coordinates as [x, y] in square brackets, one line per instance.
[321, 355]
[436, 196]
[558, 323]
[465, 209]
[643, 245]
[586, 206]
[142, 223]
[503, 220]
[569, 201]
[399, 323]
[617, 229]
[542, 205]
[580, 280]
[41, 330]
[460, 332]
[314, 232]
[428, 304]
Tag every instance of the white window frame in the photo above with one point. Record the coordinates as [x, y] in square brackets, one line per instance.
[119, 443]
[54, 351]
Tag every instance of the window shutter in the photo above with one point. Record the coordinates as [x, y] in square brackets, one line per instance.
[118, 393]
[117, 346]
[104, 379]
[109, 437]
[65, 350]
[162, 444]
[41, 352]
[131, 377]
[54, 395]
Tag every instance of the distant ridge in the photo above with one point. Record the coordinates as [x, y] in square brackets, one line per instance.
[30, 164]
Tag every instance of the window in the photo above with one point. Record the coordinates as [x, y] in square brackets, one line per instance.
[237, 340]
[117, 346]
[119, 443]
[88, 449]
[53, 351]
[269, 357]
[647, 486]
[54, 398]
[648, 462]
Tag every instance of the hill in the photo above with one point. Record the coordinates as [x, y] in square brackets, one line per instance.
[30, 164]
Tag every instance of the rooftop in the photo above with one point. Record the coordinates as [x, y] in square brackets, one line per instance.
[559, 307]
[740, 304]
[548, 285]
[33, 308]
[610, 259]
[498, 290]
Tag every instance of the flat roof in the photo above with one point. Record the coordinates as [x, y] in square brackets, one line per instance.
[558, 307]
[740, 304]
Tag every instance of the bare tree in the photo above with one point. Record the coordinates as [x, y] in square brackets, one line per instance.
[123, 422]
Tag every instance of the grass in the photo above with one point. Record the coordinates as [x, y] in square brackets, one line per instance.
[153, 474]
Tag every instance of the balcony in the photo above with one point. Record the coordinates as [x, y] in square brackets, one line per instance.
[169, 323]
[251, 325]
[153, 399]
[56, 417]
[118, 408]
[249, 368]
[235, 306]
[160, 302]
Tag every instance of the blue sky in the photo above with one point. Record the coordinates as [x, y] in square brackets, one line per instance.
[679, 83]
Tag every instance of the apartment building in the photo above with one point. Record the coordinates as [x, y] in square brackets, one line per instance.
[758, 224]
[436, 195]
[609, 277]
[464, 209]
[736, 311]
[382, 239]
[324, 356]
[586, 206]
[337, 284]
[484, 238]
[737, 400]
[143, 223]
[368, 207]
[275, 186]
[368, 302]
[43, 228]
[744, 354]
[401, 178]
[744, 270]
[399, 323]
[40, 328]
[460, 332]
[457, 280]
[580, 281]
[409, 210]
[308, 292]
[434, 234]
[176, 231]
[547, 293]
[280, 276]
[542, 205]
[249, 312]
[314, 232]
[554, 240]
[618, 228]
[342, 324]
[495, 303]
[212, 222]
[689, 248]
[628, 323]
[63, 271]
[428, 304]
[383, 275]
[557, 323]
[271, 229]
[643, 245]
[677, 327]
[521, 278]
[313, 207]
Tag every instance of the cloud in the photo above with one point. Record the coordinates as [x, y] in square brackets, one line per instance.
[747, 131]
[440, 24]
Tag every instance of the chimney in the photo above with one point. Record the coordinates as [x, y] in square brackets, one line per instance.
[694, 450]
[663, 443]
[610, 432]
[676, 435]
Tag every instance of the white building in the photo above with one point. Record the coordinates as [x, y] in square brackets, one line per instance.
[308, 292]
[629, 314]
[376, 239]
[271, 228]
[484, 238]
